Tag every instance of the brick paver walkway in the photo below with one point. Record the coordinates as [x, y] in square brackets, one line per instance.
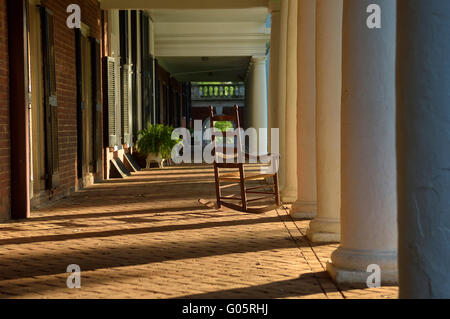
[148, 237]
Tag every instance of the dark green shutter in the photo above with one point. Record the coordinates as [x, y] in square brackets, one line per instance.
[125, 103]
[110, 100]
[157, 95]
[80, 103]
[97, 106]
[134, 77]
[146, 73]
[126, 100]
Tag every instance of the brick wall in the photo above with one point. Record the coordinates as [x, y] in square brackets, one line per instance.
[4, 117]
[66, 91]
[66, 84]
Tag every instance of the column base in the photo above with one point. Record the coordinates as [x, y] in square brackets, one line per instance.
[324, 230]
[303, 210]
[350, 266]
[288, 195]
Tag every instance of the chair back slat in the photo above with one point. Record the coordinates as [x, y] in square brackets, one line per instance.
[233, 118]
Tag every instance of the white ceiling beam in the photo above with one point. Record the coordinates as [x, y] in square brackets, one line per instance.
[211, 44]
[210, 49]
[182, 4]
[211, 39]
[212, 29]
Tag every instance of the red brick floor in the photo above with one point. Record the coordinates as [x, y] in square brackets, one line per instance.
[147, 236]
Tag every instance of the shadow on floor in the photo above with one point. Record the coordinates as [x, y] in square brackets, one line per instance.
[135, 231]
[184, 210]
[49, 254]
[306, 284]
[120, 254]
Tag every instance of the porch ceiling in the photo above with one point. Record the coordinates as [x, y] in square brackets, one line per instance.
[182, 4]
[210, 32]
[257, 15]
[206, 68]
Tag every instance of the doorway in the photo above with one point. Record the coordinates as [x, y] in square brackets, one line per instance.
[44, 154]
[37, 123]
[86, 118]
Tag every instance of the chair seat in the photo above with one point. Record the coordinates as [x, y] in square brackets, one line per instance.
[234, 177]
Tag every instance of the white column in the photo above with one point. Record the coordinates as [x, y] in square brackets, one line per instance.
[248, 102]
[273, 70]
[306, 204]
[281, 107]
[368, 155]
[289, 192]
[423, 139]
[259, 100]
[326, 225]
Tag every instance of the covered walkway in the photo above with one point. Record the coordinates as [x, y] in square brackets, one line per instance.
[147, 236]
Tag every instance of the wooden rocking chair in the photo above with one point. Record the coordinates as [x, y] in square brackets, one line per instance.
[239, 178]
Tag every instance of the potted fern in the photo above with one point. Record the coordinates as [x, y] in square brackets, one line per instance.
[155, 142]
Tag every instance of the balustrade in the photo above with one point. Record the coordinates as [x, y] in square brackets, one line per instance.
[218, 91]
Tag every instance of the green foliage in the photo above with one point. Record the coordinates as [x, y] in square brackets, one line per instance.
[156, 139]
[223, 126]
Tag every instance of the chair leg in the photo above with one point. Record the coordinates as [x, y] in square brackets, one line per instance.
[243, 190]
[277, 192]
[218, 192]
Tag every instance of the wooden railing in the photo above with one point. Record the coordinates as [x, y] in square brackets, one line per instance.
[218, 91]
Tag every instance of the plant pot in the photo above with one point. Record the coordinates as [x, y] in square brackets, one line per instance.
[152, 157]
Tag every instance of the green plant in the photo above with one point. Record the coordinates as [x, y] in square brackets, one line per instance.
[156, 138]
[223, 126]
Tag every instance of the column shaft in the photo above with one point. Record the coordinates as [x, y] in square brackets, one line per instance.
[289, 192]
[326, 225]
[281, 107]
[305, 206]
[368, 183]
[273, 73]
[423, 139]
[248, 102]
[259, 100]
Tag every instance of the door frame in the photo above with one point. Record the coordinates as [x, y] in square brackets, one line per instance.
[17, 12]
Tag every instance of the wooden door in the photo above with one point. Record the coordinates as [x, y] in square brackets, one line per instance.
[50, 99]
[85, 107]
[37, 123]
